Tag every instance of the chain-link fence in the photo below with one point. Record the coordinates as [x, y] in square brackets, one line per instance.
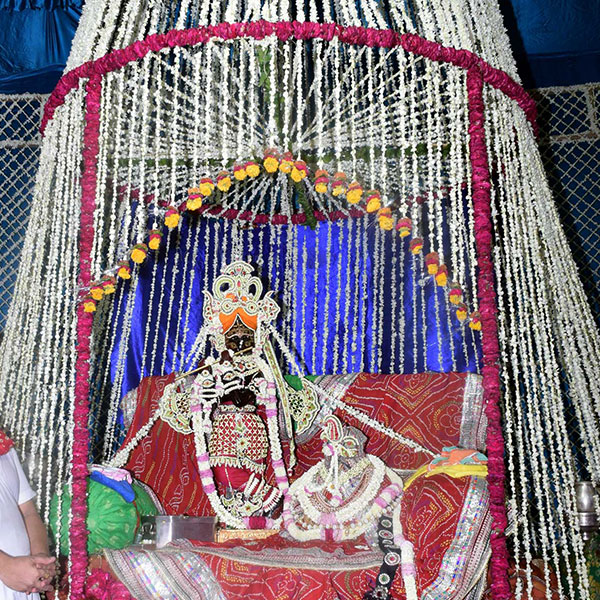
[20, 117]
[569, 119]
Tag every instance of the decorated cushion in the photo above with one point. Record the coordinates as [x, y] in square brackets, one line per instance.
[112, 522]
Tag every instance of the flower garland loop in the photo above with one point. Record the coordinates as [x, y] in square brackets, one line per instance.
[284, 31]
[490, 345]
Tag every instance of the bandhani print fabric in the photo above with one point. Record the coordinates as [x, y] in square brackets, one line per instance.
[5, 443]
[165, 459]
[433, 409]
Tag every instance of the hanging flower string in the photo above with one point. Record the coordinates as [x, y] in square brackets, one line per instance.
[298, 171]
[77, 531]
[490, 345]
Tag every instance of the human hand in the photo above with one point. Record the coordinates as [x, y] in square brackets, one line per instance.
[47, 566]
[26, 573]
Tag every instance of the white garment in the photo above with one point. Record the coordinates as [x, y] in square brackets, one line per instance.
[14, 490]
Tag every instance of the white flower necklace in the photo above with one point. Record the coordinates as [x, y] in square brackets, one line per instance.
[347, 512]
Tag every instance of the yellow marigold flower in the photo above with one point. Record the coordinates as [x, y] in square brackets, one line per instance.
[172, 220]
[224, 181]
[354, 196]
[239, 173]
[441, 279]
[252, 169]
[139, 253]
[416, 245]
[194, 203]
[475, 321]
[354, 193]
[299, 171]
[271, 164]
[461, 314]
[455, 295]
[154, 243]
[321, 187]
[287, 162]
[89, 305]
[206, 187]
[374, 204]
[124, 271]
[386, 223]
[96, 292]
[109, 286]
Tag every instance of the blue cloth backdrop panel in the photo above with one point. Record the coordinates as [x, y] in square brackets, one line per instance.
[341, 318]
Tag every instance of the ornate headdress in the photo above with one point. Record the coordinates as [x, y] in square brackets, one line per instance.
[237, 294]
[341, 440]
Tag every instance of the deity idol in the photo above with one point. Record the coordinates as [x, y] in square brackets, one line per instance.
[229, 405]
[233, 441]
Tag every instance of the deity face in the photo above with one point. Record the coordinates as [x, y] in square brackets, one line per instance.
[239, 337]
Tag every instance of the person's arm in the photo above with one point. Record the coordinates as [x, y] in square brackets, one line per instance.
[36, 530]
[25, 573]
[38, 542]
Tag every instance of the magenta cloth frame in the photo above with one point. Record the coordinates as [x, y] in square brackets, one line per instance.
[478, 73]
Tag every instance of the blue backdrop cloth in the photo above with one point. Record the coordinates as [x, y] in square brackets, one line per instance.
[35, 44]
[154, 339]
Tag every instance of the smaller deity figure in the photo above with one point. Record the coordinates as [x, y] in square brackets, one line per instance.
[347, 494]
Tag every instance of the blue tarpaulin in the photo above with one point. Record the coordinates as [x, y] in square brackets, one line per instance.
[35, 41]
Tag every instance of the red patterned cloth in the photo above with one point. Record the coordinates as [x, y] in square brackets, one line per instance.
[339, 577]
[447, 519]
[424, 407]
[165, 459]
[5, 443]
